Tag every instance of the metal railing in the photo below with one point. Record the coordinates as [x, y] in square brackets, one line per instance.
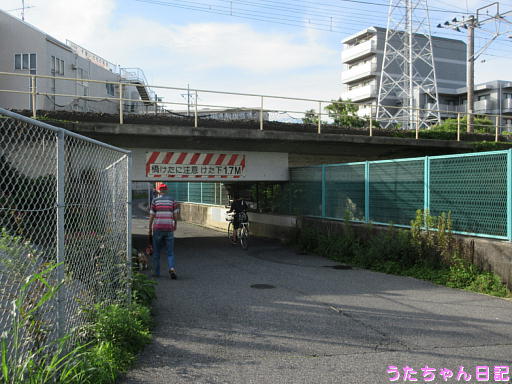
[476, 189]
[65, 200]
[264, 104]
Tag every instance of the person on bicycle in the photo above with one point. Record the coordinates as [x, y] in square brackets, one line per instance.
[239, 207]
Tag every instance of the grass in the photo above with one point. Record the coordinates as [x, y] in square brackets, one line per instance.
[107, 346]
[427, 251]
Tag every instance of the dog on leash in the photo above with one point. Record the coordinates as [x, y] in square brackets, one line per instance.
[143, 258]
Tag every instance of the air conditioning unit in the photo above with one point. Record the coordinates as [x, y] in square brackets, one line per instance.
[74, 67]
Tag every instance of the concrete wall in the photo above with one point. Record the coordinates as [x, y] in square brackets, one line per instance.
[260, 225]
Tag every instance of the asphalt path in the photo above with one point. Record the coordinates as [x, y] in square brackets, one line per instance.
[315, 324]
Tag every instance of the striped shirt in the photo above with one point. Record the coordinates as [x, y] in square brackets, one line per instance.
[164, 209]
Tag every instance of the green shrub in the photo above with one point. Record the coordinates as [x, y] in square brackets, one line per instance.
[308, 239]
[393, 245]
[125, 326]
[462, 273]
[489, 283]
[143, 289]
[427, 251]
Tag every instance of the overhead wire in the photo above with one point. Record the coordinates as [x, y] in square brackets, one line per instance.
[290, 19]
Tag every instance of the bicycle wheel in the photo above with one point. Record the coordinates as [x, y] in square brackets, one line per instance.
[244, 237]
[230, 230]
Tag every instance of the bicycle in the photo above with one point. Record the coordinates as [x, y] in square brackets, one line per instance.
[242, 231]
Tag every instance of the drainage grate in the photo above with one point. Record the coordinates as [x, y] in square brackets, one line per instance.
[340, 266]
[262, 286]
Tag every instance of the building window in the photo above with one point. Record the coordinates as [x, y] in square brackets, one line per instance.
[483, 97]
[57, 66]
[507, 95]
[111, 89]
[25, 61]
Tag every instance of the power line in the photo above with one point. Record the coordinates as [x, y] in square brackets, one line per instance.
[289, 20]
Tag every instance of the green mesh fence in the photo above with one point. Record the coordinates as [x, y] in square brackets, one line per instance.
[197, 192]
[396, 190]
[345, 191]
[473, 189]
[305, 191]
[208, 193]
[178, 191]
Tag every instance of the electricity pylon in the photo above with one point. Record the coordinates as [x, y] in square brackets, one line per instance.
[408, 70]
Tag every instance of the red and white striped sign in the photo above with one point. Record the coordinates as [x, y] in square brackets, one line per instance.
[195, 165]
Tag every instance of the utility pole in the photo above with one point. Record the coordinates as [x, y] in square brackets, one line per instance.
[471, 23]
[470, 76]
[23, 10]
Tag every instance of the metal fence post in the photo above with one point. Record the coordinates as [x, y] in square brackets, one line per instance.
[201, 192]
[371, 120]
[497, 129]
[195, 113]
[509, 195]
[129, 225]
[61, 247]
[323, 191]
[121, 119]
[426, 185]
[33, 95]
[261, 115]
[458, 126]
[319, 117]
[417, 124]
[367, 192]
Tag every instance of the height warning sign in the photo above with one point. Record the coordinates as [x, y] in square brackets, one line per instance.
[195, 165]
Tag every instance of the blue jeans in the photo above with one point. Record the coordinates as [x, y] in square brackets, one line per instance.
[161, 238]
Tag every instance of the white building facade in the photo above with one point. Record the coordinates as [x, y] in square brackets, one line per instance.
[26, 50]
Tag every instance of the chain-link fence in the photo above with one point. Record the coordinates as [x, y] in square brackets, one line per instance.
[64, 201]
[476, 188]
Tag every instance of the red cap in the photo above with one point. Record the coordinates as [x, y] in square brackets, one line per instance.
[161, 187]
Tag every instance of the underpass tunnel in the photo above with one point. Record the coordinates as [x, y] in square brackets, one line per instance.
[261, 197]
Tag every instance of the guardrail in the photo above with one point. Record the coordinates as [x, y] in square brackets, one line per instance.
[316, 107]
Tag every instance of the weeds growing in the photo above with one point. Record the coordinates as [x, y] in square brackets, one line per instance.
[428, 251]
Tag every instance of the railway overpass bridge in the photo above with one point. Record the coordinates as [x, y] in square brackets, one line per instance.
[224, 152]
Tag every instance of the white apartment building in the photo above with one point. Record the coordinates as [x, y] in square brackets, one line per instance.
[362, 57]
[24, 49]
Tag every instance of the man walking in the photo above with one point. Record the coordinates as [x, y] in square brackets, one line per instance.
[162, 224]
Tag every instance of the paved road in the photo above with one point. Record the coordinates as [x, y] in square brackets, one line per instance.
[318, 325]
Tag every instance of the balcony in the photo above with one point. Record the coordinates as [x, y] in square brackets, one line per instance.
[446, 109]
[507, 106]
[359, 72]
[358, 51]
[483, 106]
[361, 93]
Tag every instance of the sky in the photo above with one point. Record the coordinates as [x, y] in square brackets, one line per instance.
[272, 47]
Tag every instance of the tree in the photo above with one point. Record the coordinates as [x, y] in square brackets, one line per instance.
[344, 113]
[310, 117]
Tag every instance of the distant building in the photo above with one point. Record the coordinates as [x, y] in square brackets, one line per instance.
[233, 114]
[491, 98]
[25, 49]
[362, 63]
[227, 114]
